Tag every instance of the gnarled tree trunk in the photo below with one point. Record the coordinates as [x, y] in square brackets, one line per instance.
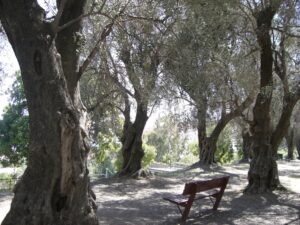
[263, 174]
[143, 80]
[208, 148]
[132, 149]
[55, 186]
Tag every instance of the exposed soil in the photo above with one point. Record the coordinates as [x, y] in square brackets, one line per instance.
[134, 202]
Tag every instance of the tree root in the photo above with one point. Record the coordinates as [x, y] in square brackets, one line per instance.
[142, 173]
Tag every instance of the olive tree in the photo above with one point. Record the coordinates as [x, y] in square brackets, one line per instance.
[55, 186]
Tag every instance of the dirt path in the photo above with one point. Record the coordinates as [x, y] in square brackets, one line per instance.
[5, 199]
[139, 202]
[135, 202]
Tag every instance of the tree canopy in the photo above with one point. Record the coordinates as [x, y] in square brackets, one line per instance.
[14, 127]
[94, 72]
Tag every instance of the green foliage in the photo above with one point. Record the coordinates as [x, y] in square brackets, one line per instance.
[7, 181]
[7, 176]
[157, 140]
[107, 155]
[189, 159]
[14, 128]
[150, 154]
[167, 139]
[224, 153]
[194, 148]
[100, 96]
[170, 142]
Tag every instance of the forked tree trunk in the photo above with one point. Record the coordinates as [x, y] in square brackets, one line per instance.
[143, 85]
[55, 186]
[208, 145]
[263, 172]
[132, 149]
[290, 100]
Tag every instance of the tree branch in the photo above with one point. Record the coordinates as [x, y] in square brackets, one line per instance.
[55, 23]
[100, 100]
[90, 13]
[229, 116]
[147, 18]
[105, 32]
[115, 78]
[286, 33]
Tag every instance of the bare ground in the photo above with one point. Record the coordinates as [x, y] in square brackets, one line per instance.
[139, 202]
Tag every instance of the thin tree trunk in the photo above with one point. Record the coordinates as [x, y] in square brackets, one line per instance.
[246, 146]
[298, 147]
[283, 125]
[297, 133]
[55, 186]
[290, 143]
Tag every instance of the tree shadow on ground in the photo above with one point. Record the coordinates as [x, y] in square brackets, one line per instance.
[146, 207]
[140, 202]
[253, 209]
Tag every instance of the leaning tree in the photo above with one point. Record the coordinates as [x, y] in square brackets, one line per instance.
[202, 61]
[55, 186]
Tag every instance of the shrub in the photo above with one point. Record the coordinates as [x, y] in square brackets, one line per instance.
[106, 154]
[150, 154]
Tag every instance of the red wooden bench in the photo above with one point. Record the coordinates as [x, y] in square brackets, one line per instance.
[195, 190]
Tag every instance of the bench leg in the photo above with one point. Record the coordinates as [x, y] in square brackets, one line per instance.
[186, 211]
[217, 202]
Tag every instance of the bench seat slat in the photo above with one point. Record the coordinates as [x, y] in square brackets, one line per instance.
[196, 190]
[182, 199]
[207, 193]
[177, 199]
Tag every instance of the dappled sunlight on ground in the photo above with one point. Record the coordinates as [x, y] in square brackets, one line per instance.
[135, 202]
[144, 204]
[5, 199]
[289, 175]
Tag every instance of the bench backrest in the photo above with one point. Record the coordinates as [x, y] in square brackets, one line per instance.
[204, 185]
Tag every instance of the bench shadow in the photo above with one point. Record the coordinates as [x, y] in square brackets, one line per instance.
[140, 202]
[253, 209]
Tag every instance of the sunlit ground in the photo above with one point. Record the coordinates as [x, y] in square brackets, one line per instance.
[118, 197]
